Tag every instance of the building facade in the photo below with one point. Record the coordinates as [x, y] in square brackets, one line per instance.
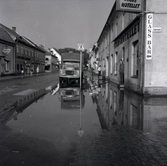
[138, 40]
[6, 53]
[51, 62]
[24, 54]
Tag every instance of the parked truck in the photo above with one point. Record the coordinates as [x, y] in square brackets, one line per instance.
[70, 69]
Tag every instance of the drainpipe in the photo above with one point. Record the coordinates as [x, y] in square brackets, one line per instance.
[143, 39]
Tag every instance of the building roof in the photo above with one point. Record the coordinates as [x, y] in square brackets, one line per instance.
[56, 50]
[34, 45]
[5, 36]
[15, 36]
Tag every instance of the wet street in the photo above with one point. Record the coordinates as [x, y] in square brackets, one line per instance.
[100, 125]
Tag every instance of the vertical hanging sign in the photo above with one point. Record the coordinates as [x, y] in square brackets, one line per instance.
[149, 34]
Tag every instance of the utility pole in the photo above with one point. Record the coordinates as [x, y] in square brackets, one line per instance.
[81, 49]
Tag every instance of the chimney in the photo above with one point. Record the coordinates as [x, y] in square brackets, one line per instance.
[14, 29]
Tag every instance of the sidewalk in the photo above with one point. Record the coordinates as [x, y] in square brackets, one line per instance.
[3, 78]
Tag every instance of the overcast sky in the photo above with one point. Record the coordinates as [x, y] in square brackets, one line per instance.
[57, 23]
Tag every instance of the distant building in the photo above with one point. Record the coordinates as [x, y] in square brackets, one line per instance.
[24, 56]
[56, 53]
[51, 62]
[7, 54]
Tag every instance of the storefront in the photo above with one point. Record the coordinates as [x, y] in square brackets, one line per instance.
[6, 54]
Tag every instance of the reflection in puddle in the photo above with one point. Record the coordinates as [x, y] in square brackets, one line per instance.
[126, 108]
[62, 115]
[121, 107]
[113, 106]
[14, 108]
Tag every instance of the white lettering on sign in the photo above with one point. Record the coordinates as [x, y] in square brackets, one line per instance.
[149, 34]
[129, 5]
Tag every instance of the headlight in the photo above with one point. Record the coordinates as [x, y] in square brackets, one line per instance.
[76, 91]
[76, 72]
[62, 93]
[62, 72]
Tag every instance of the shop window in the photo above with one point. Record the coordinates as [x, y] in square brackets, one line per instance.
[115, 63]
[6, 66]
[135, 57]
[18, 69]
[21, 67]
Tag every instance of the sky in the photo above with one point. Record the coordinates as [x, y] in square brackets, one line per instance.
[57, 23]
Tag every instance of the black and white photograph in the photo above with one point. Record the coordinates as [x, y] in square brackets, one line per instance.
[83, 83]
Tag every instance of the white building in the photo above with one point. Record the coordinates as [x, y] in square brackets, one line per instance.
[136, 31]
[55, 53]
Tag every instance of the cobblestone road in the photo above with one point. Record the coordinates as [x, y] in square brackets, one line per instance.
[119, 146]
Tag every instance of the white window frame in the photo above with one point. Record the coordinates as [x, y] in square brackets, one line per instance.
[135, 51]
[115, 63]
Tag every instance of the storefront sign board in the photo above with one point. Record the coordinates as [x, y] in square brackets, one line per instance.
[133, 6]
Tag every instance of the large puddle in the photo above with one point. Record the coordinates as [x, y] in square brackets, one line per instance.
[61, 115]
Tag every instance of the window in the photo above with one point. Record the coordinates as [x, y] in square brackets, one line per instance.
[18, 68]
[25, 51]
[115, 63]
[123, 53]
[116, 29]
[17, 49]
[123, 21]
[111, 33]
[22, 50]
[111, 64]
[6, 66]
[135, 57]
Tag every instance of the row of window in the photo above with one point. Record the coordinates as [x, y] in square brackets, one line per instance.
[114, 29]
[134, 60]
[27, 52]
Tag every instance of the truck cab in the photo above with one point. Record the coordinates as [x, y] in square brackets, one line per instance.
[70, 70]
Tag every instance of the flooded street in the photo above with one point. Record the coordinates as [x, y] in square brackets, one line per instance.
[98, 125]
